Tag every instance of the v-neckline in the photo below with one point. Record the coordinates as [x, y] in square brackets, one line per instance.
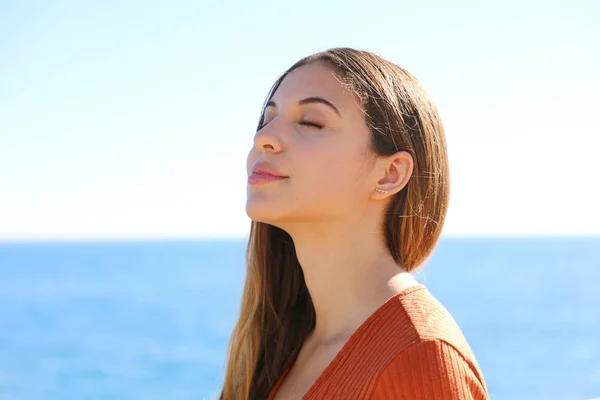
[345, 348]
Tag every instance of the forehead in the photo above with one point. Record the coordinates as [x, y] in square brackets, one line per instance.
[316, 80]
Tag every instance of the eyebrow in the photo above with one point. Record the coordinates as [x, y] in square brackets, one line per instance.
[309, 100]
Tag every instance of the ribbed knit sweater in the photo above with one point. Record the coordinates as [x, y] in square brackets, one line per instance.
[409, 348]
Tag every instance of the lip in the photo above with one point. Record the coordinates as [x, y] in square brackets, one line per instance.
[264, 167]
[264, 172]
[257, 179]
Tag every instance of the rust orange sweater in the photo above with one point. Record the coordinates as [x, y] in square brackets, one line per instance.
[409, 348]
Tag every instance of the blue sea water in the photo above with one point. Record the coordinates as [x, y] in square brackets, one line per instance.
[151, 320]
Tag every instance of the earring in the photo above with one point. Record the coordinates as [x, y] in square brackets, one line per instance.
[380, 190]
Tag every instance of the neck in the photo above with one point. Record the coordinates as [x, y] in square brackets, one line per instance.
[348, 271]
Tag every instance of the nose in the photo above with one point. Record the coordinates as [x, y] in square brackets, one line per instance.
[266, 140]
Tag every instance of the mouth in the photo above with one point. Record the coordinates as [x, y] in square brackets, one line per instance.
[260, 178]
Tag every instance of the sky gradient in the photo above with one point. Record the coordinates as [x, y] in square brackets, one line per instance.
[134, 120]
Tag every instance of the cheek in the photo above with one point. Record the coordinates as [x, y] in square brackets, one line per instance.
[335, 167]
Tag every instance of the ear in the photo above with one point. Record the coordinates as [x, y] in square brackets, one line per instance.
[396, 170]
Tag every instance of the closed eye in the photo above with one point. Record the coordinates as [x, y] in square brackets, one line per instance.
[306, 123]
[311, 124]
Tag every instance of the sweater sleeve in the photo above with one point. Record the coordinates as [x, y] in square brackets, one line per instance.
[430, 370]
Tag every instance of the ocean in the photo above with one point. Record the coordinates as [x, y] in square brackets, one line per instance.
[151, 320]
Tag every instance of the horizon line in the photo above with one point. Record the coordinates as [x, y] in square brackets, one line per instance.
[224, 238]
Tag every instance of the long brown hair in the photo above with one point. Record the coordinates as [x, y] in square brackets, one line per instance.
[277, 313]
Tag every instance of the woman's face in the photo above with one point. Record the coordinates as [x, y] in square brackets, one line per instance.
[322, 149]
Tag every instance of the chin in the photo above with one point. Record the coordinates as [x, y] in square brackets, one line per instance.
[260, 211]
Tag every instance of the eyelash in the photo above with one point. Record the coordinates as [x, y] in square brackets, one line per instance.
[306, 123]
[311, 124]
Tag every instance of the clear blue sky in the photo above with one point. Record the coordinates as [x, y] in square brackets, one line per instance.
[133, 119]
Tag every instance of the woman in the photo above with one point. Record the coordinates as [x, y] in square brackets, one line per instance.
[348, 190]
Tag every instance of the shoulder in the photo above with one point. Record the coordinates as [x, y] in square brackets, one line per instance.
[429, 320]
[430, 370]
[410, 348]
[414, 316]
[427, 355]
